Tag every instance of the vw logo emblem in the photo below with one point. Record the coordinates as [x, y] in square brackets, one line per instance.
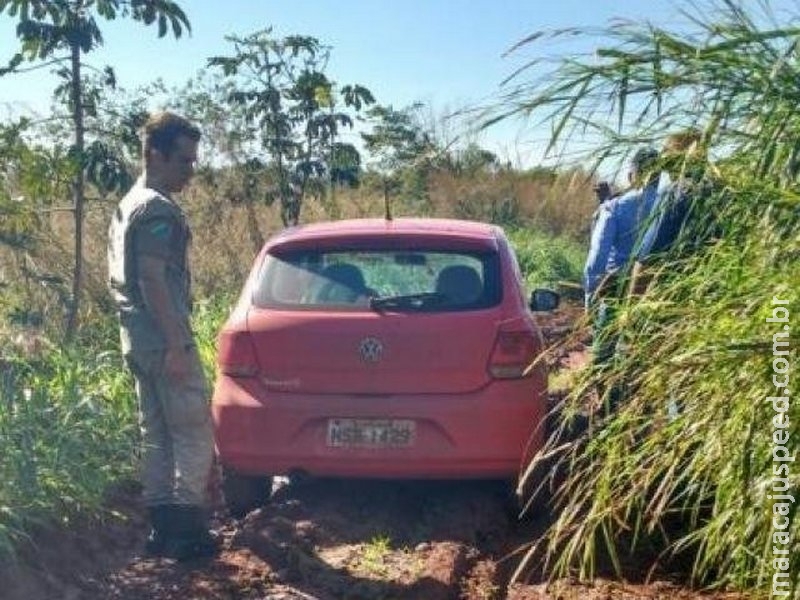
[371, 349]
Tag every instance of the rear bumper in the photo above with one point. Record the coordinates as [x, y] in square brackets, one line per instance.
[485, 434]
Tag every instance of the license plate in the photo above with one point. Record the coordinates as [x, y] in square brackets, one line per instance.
[371, 433]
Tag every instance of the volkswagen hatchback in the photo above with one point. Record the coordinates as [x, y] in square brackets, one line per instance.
[382, 349]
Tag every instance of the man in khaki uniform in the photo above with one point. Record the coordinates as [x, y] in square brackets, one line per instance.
[149, 277]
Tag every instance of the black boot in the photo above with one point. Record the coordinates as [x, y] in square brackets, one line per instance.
[189, 536]
[160, 529]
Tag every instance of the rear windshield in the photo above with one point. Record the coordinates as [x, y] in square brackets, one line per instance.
[381, 280]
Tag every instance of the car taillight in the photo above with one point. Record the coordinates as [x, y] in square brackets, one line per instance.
[512, 355]
[236, 354]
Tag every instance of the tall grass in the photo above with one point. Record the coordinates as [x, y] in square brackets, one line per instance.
[67, 431]
[686, 460]
[545, 259]
[69, 425]
[208, 317]
[560, 203]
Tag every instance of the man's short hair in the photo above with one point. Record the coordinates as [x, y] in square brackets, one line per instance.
[643, 158]
[162, 129]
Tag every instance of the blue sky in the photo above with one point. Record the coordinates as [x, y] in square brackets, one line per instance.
[446, 53]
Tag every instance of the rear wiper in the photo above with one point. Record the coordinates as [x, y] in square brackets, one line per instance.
[407, 301]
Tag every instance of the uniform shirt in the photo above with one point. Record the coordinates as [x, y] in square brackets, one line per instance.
[147, 222]
[616, 230]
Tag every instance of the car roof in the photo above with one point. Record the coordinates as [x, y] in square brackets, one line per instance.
[402, 227]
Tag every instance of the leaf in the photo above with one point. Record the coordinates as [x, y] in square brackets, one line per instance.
[15, 61]
[39, 10]
[107, 9]
[110, 77]
[623, 98]
[179, 20]
[149, 14]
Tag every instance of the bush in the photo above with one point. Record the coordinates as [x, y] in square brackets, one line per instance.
[546, 260]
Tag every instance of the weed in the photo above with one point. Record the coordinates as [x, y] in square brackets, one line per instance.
[374, 555]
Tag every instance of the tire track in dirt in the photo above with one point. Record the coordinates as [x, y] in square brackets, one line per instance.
[333, 539]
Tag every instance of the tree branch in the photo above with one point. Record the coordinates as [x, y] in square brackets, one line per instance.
[36, 67]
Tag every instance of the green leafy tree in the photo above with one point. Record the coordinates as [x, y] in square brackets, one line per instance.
[111, 122]
[229, 138]
[281, 85]
[32, 177]
[19, 220]
[343, 159]
[397, 139]
[59, 33]
[474, 160]
[405, 152]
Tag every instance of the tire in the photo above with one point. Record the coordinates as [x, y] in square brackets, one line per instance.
[244, 493]
[505, 490]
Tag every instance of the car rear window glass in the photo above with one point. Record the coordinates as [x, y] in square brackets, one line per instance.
[389, 279]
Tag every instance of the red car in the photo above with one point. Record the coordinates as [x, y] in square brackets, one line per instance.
[383, 349]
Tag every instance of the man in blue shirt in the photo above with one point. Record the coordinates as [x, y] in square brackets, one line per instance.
[615, 233]
[671, 209]
[618, 225]
[673, 203]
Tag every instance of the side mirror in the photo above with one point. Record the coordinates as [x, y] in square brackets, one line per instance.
[544, 300]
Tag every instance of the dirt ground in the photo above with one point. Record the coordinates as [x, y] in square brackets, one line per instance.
[325, 540]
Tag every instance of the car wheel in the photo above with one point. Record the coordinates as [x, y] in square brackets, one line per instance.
[244, 493]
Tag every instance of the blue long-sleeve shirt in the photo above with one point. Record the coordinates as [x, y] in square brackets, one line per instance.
[669, 214]
[616, 230]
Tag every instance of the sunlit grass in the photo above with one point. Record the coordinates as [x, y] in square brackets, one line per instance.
[545, 259]
[69, 425]
[374, 555]
[67, 431]
[698, 478]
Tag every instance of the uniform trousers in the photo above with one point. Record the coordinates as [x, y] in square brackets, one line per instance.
[175, 422]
